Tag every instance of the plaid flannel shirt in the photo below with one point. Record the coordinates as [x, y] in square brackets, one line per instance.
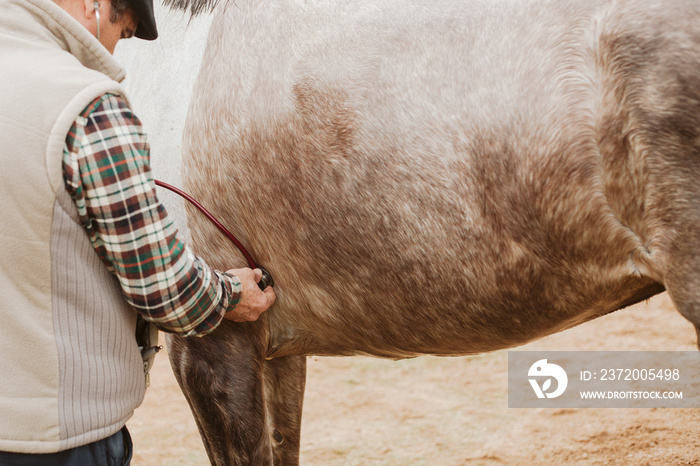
[106, 170]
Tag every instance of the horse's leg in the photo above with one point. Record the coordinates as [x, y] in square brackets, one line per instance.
[683, 277]
[285, 379]
[674, 206]
[221, 377]
[673, 199]
[653, 164]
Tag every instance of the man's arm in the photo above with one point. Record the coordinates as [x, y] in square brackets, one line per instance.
[107, 172]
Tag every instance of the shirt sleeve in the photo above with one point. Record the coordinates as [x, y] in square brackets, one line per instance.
[106, 166]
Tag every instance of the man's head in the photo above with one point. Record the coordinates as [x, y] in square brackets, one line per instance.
[144, 12]
[112, 20]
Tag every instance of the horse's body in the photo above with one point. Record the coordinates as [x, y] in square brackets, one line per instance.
[445, 177]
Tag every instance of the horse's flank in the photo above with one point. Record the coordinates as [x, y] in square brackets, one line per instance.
[485, 175]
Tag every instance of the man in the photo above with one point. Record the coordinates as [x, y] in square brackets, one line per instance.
[85, 246]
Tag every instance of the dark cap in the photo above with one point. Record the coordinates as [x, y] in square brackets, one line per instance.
[146, 28]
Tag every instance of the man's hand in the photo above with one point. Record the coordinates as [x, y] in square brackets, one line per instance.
[253, 301]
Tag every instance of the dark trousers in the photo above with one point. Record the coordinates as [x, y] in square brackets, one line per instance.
[112, 451]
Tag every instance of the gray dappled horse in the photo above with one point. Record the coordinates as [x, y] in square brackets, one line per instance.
[433, 177]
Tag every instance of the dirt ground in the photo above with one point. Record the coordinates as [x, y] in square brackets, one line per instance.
[454, 411]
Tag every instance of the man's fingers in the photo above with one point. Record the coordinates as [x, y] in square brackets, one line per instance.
[270, 295]
[253, 301]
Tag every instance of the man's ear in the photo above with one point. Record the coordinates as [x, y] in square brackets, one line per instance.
[88, 7]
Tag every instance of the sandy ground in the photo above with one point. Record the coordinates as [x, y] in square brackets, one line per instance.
[453, 411]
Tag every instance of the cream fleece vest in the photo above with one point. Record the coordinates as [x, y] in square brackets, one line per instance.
[70, 369]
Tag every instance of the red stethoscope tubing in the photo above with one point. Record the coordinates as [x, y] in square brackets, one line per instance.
[213, 219]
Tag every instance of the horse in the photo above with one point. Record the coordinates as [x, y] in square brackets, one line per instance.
[431, 178]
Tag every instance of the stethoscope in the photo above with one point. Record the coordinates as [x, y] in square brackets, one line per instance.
[97, 16]
[266, 279]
